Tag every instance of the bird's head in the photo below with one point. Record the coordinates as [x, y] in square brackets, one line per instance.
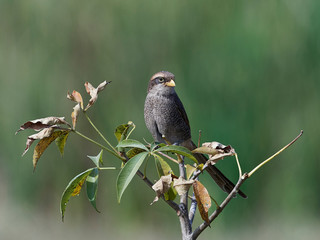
[162, 81]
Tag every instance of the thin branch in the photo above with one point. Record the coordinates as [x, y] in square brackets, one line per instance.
[235, 190]
[217, 212]
[193, 209]
[143, 177]
[239, 167]
[274, 155]
[199, 139]
[172, 204]
[198, 172]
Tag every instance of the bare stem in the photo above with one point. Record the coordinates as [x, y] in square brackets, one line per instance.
[217, 212]
[241, 180]
[98, 144]
[274, 155]
[199, 138]
[101, 135]
[107, 168]
[172, 204]
[193, 209]
[238, 163]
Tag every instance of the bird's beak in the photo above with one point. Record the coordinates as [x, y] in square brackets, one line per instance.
[171, 83]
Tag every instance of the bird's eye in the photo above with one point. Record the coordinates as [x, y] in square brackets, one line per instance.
[161, 79]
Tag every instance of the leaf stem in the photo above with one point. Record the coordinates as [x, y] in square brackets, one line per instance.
[239, 167]
[107, 168]
[97, 130]
[170, 158]
[98, 144]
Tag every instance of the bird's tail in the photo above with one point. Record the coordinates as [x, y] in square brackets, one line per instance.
[223, 182]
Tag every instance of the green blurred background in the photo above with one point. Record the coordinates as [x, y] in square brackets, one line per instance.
[246, 71]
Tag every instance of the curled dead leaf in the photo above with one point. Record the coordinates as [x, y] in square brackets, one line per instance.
[41, 123]
[42, 134]
[93, 92]
[75, 114]
[215, 150]
[182, 186]
[44, 142]
[162, 186]
[76, 97]
[203, 200]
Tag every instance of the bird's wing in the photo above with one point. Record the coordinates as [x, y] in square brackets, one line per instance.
[181, 110]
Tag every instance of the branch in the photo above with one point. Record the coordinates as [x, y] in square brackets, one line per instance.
[172, 204]
[184, 217]
[193, 209]
[217, 212]
[274, 155]
[235, 190]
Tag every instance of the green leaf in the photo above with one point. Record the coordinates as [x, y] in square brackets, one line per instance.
[128, 171]
[97, 159]
[73, 189]
[163, 167]
[156, 145]
[121, 132]
[171, 194]
[134, 151]
[92, 187]
[61, 141]
[178, 150]
[190, 170]
[132, 143]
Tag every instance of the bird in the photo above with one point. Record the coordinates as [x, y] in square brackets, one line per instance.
[167, 121]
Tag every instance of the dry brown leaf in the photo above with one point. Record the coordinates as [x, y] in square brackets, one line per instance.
[162, 186]
[43, 144]
[76, 97]
[74, 115]
[203, 200]
[182, 186]
[40, 135]
[94, 92]
[42, 123]
[215, 150]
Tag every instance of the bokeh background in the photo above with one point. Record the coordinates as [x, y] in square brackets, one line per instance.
[246, 71]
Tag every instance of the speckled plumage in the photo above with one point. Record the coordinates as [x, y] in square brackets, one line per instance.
[166, 118]
[164, 113]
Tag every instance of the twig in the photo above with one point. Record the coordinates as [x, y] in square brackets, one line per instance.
[198, 172]
[186, 229]
[241, 180]
[238, 163]
[199, 139]
[193, 209]
[274, 155]
[172, 204]
[216, 213]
